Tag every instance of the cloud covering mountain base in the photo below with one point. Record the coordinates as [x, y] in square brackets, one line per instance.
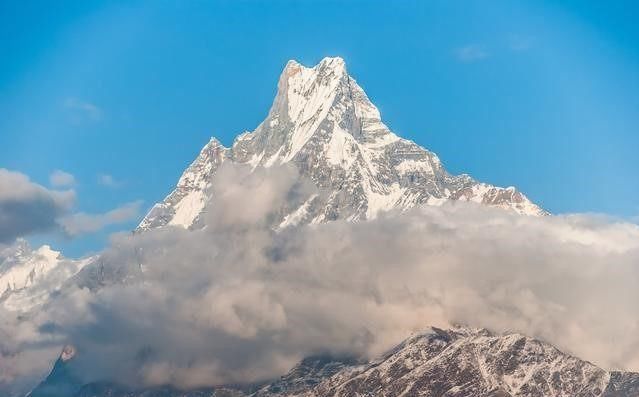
[237, 301]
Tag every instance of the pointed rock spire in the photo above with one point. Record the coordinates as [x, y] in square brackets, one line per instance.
[322, 122]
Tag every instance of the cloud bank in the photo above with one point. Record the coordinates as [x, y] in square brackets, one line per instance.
[26, 207]
[238, 302]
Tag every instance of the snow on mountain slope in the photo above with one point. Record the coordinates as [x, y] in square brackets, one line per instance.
[460, 362]
[475, 362]
[322, 122]
[28, 277]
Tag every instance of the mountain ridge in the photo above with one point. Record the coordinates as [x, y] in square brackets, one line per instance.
[29, 276]
[456, 362]
[322, 122]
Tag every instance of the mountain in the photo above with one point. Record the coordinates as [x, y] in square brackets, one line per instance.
[460, 362]
[474, 362]
[28, 277]
[62, 380]
[322, 122]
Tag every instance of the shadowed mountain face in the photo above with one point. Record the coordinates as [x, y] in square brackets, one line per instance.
[453, 363]
[62, 381]
[322, 122]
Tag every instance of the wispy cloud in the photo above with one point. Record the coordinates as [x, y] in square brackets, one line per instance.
[108, 181]
[520, 43]
[59, 178]
[471, 53]
[82, 223]
[82, 111]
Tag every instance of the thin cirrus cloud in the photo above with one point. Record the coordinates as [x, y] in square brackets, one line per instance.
[520, 43]
[81, 111]
[476, 52]
[471, 53]
[59, 178]
[108, 181]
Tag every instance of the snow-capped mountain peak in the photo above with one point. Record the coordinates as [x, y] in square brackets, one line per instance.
[29, 276]
[321, 100]
[323, 123]
[21, 266]
[474, 362]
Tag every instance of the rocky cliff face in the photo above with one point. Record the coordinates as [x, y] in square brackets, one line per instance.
[322, 122]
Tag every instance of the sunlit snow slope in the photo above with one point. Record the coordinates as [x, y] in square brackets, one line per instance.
[322, 122]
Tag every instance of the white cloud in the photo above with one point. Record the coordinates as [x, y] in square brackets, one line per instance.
[27, 207]
[471, 53]
[59, 178]
[236, 301]
[108, 181]
[82, 223]
[520, 43]
[82, 111]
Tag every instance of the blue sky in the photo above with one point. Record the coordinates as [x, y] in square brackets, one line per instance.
[540, 95]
